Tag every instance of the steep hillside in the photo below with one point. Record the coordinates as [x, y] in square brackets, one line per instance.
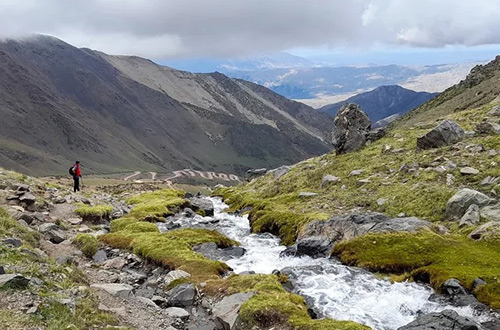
[61, 103]
[384, 101]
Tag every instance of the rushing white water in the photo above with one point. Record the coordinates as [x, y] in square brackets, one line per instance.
[335, 290]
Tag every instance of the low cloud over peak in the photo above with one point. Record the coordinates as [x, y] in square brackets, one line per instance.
[191, 28]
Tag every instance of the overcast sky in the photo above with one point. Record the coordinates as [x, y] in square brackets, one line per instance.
[163, 29]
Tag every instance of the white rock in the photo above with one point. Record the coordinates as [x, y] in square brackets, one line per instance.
[115, 289]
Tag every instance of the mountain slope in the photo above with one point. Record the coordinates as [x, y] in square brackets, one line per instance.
[384, 101]
[61, 103]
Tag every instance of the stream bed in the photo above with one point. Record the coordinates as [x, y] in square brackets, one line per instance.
[331, 289]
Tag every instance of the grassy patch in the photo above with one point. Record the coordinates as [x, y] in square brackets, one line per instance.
[429, 257]
[87, 243]
[10, 227]
[103, 211]
[156, 204]
[172, 249]
[272, 305]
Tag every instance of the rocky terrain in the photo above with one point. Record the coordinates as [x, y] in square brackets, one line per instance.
[121, 114]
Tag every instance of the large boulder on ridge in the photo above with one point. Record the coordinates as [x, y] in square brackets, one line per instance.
[351, 126]
[446, 133]
[318, 237]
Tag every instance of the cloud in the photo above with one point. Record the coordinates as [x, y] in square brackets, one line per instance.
[171, 28]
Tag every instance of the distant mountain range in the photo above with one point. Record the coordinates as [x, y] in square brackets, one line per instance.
[298, 78]
[384, 101]
[59, 103]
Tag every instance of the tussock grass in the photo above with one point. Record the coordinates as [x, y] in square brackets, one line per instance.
[87, 243]
[97, 210]
[156, 204]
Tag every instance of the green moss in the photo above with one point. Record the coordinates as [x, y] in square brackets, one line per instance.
[429, 257]
[97, 210]
[156, 204]
[177, 282]
[87, 243]
[173, 249]
[142, 227]
[272, 305]
[120, 224]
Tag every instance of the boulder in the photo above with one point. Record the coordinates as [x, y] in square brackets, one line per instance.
[115, 263]
[226, 310]
[175, 275]
[488, 128]
[55, 236]
[177, 313]
[491, 212]
[46, 227]
[211, 251]
[280, 171]
[489, 180]
[255, 173]
[13, 281]
[351, 127]
[182, 295]
[198, 203]
[115, 289]
[460, 202]
[100, 256]
[375, 134]
[495, 111]
[471, 216]
[446, 133]
[328, 180]
[445, 320]
[318, 237]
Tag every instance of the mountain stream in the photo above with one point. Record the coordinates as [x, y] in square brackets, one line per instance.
[332, 289]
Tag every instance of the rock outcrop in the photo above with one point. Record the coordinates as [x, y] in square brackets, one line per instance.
[351, 126]
[318, 237]
[458, 205]
[446, 320]
[446, 133]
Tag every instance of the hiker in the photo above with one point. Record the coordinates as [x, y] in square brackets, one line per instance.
[77, 174]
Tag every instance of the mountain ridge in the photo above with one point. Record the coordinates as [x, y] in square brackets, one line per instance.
[63, 103]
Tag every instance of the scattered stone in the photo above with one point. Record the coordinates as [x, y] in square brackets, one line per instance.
[100, 256]
[147, 302]
[460, 202]
[445, 320]
[84, 229]
[450, 179]
[280, 171]
[386, 148]
[211, 251]
[22, 187]
[489, 128]
[64, 260]
[362, 182]
[2, 270]
[75, 221]
[56, 236]
[446, 133]
[489, 180]
[159, 300]
[452, 287]
[306, 194]
[255, 173]
[478, 282]
[115, 263]
[177, 313]
[351, 127]
[329, 179]
[485, 230]
[495, 111]
[13, 281]
[381, 201]
[12, 242]
[226, 311]
[471, 216]
[27, 198]
[198, 203]
[375, 134]
[32, 310]
[175, 275]
[46, 227]
[468, 171]
[356, 172]
[115, 289]
[182, 295]
[491, 212]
